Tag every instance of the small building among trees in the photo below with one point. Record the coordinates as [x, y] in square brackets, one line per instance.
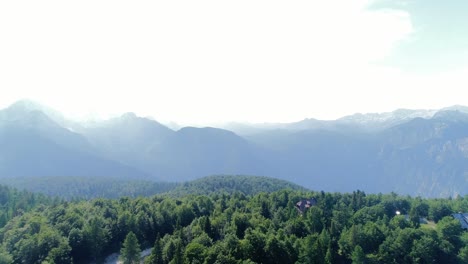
[463, 218]
[305, 204]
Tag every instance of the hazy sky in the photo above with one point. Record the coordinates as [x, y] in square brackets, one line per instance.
[211, 61]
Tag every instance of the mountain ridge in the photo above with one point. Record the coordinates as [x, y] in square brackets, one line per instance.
[416, 152]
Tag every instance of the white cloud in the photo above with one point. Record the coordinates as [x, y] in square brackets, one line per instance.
[202, 61]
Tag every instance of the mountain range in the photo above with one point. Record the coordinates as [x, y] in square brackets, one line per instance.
[416, 152]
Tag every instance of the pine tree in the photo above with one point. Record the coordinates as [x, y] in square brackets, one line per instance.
[358, 256]
[156, 253]
[178, 255]
[207, 227]
[130, 252]
[329, 255]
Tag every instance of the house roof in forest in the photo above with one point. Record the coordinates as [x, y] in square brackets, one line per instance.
[463, 218]
[305, 204]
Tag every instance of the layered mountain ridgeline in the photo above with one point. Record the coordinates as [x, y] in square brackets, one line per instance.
[264, 228]
[32, 144]
[417, 152]
[426, 157]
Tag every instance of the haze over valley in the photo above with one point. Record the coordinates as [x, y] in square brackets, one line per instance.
[417, 152]
[233, 132]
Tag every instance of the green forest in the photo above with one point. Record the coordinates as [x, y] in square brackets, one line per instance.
[76, 188]
[221, 227]
[79, 188]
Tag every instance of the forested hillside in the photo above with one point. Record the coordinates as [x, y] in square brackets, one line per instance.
[238, 228]
[70, 188]
[79, 188]
[229, 184]
[14, 202]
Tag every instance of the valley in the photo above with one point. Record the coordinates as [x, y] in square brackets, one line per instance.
[415, 152]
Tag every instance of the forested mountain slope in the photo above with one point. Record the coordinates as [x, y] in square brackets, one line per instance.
[79, 188]
[73, 187]
[230, 184]
[14, 202]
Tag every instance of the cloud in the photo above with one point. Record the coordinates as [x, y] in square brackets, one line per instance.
[439, 41]
[199, 61]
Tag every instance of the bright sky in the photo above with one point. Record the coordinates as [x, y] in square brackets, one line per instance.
[244, 60]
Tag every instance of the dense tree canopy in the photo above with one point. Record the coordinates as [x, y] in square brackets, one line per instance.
[14, 202]
[79, 188]
[73, 188]
[239, 228]
[229, 184]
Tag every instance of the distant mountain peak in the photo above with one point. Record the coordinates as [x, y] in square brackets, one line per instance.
[452, 114]
[26, 105]
[399, 114]
[27, 112]
[132, 119]
[129, 115]
[460, 108]
[207, 131]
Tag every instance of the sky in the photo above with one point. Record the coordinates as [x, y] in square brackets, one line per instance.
[200, 62]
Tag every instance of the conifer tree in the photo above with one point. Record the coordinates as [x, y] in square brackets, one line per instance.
[156, 253]
[130, 252]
